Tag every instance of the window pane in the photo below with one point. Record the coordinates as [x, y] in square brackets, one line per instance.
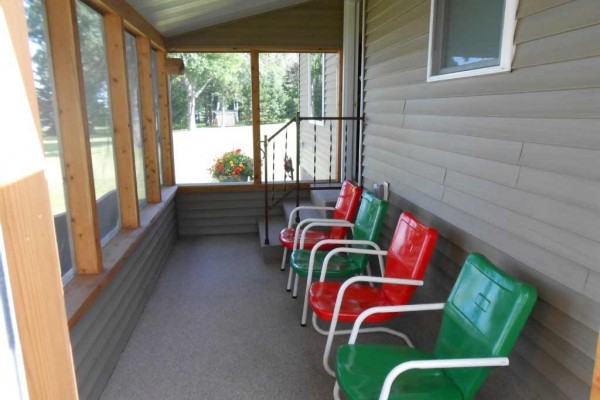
[44, 85]
[95, 77]
[212, 119]
[473, 34]
[154, 66]
[279, 102]
[316, 85]
[136, 119]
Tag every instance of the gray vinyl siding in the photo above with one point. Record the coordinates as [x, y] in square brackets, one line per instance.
[217, 213]
[327, 132]
[506, 164]
[100, 336]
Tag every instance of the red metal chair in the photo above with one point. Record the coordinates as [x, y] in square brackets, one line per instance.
[344, 213]
[407, 259]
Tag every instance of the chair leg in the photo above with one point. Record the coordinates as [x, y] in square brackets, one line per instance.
[295, 292]
[289, 282]
[305, 306]
[336, 391]
[284, 258]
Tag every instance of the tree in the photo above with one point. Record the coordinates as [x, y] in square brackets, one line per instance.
[221, 76]
[41, 65]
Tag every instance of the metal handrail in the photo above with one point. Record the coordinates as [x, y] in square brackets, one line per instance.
[267, 139]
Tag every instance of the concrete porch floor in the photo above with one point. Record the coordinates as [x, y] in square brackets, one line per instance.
[220, 325]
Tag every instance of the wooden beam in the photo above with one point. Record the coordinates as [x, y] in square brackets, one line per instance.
[121, 115]
[255, 74]
[595, 394]
[166, 133]
[148, 121]
[175, 66]
[133, 20]
[27, 225]
[70, 101]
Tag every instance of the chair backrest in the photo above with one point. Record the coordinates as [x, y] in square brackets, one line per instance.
[408, 256]
[483, 317]
[368, 223]
[346, 207]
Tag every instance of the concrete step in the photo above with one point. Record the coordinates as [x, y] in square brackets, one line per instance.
[325, 198]
[289, 205]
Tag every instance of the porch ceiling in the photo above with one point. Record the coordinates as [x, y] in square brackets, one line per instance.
[172, 17]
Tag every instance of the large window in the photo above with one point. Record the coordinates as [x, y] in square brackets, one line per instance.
[136, 122]
[95, 76]
[470, 37]
[212, 119]
[316, 95]
[44, 85]
[154, 66]
[279, 103]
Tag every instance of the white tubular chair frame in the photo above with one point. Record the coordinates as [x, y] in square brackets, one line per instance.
[431, 364]
[310, 223]
[291, 222]
[336, 313]
[311, 264]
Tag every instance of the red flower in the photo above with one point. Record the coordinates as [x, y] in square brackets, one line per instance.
[220, 167]
[238, 151]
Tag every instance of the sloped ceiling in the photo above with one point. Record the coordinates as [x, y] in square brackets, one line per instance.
[173, 17]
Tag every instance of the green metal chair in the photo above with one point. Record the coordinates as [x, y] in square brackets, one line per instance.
[365, 232]
[481, 322]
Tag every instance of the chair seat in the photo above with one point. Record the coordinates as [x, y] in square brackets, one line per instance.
[358, 298]
[361, 370]
[339, 265]
[287, 235]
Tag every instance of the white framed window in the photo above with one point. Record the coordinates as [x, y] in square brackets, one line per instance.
[470, 38]
[316, 80]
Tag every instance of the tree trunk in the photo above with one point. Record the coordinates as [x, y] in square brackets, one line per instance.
[191, 112]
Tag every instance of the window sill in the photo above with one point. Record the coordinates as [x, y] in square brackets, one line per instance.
[81, 292]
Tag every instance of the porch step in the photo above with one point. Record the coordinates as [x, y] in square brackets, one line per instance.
[289, 205]
[273, 252]
[325, 198]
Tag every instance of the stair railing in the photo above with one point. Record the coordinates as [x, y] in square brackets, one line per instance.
[292, 173]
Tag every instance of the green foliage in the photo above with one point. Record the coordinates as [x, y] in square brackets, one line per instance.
[36, 23]
[216, 81]
[233, 166]
[95, 70]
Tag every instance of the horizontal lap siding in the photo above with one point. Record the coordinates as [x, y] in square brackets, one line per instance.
[215, 213]
[504, 164]
[100, 336]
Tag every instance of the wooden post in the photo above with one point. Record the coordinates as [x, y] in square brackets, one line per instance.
[70, 101]
[255, 72]
[148, 127]
[26, 222]
[595, 394]
[166, 132]
[121, 115]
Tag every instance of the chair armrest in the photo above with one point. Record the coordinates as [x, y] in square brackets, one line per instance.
[430, 364]
[374, 279]
[314, 222]
[295, 211]
[313, 252]
[377, 252]
[391, 309]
